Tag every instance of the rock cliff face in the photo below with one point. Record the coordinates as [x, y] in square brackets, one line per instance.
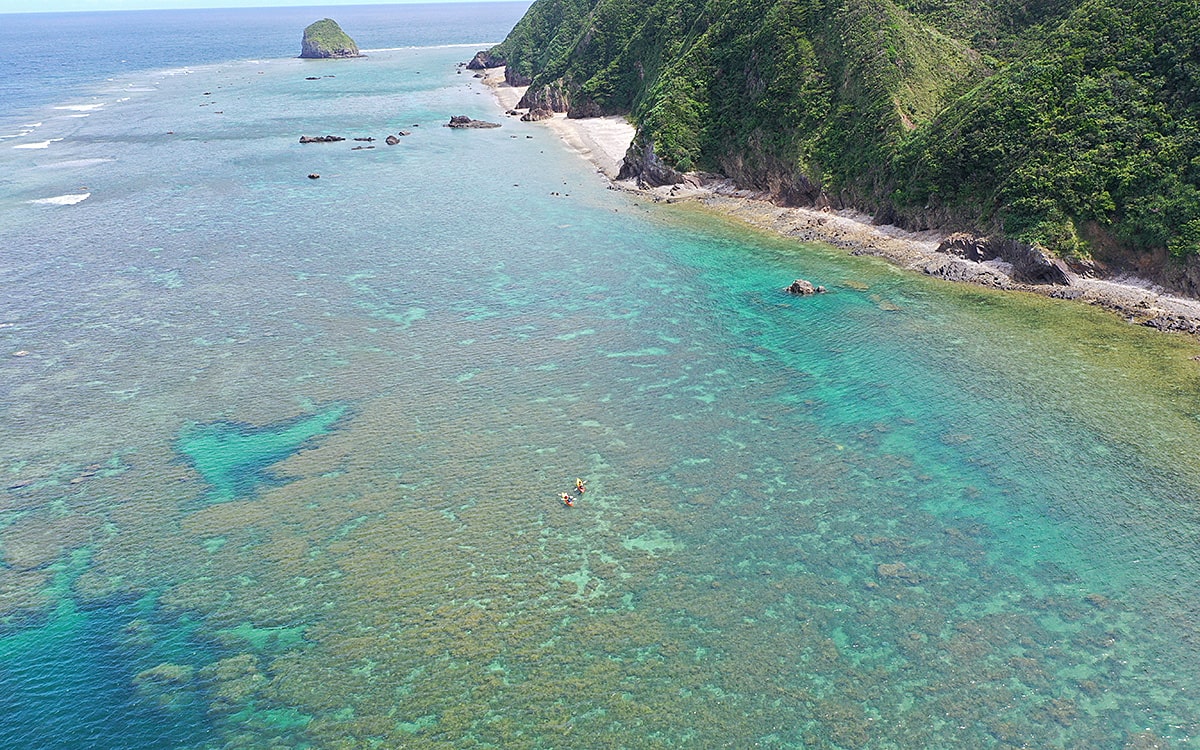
[325, 39]
[642, 164]
[484, 60]
[1030, 264]
[552, 96]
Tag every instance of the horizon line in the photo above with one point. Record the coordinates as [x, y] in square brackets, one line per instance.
[285, 4]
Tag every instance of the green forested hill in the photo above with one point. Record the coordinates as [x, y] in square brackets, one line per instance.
[1074, 124]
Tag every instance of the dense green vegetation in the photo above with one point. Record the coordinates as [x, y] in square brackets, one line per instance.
[1074, 124]
[325, 38]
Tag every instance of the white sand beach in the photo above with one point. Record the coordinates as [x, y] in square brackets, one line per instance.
[601, 140]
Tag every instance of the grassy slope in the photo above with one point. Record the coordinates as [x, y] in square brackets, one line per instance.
[1095, 136]
[1058, 121]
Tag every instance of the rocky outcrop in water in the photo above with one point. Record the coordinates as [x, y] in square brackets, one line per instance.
[462, 121]
[321, 138]
[803, 287]
[325, 39]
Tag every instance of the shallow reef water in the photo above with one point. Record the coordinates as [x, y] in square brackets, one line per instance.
[282, 456]
[233, 458]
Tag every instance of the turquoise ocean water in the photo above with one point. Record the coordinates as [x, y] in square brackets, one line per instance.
[281, 456]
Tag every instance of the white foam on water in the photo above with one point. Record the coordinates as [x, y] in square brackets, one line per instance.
[75, 163]
[477, 45]
[28, 128]
[39, 144]
[62, 200]
[81, 107]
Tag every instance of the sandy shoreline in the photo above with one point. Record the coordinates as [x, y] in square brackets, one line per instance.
[601, 140]
[604, 140]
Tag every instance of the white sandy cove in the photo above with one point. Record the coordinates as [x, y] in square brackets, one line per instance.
[601, 140]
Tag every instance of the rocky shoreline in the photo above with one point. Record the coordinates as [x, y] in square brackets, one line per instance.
[958, 258]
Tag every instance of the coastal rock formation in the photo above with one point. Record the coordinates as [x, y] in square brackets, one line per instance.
[585, 110]
[642, 164]
[484, 60]
[1030, 264]
[321, 138]
[391, 140]
[325, 39]
[803, 287]
[515, 79]
[537, 114]
[951, 268]
[553, 96]
[462, 121]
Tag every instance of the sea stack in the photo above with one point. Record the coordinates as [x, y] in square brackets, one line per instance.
[325, 38]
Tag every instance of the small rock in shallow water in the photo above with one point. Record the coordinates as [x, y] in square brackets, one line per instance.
[803, 287]
[314, 176]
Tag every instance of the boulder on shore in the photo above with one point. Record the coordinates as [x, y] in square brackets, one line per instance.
[325, 39]
[537, 114]
[462, 121]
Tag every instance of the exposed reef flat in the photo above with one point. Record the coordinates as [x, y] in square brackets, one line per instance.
[605, 140]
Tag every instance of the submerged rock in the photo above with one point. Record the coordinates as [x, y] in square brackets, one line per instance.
[898, 572]
[325, 39]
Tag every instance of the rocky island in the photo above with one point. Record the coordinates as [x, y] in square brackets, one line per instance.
[325, 39]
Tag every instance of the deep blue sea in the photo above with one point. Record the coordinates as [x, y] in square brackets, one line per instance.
[281, 457]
